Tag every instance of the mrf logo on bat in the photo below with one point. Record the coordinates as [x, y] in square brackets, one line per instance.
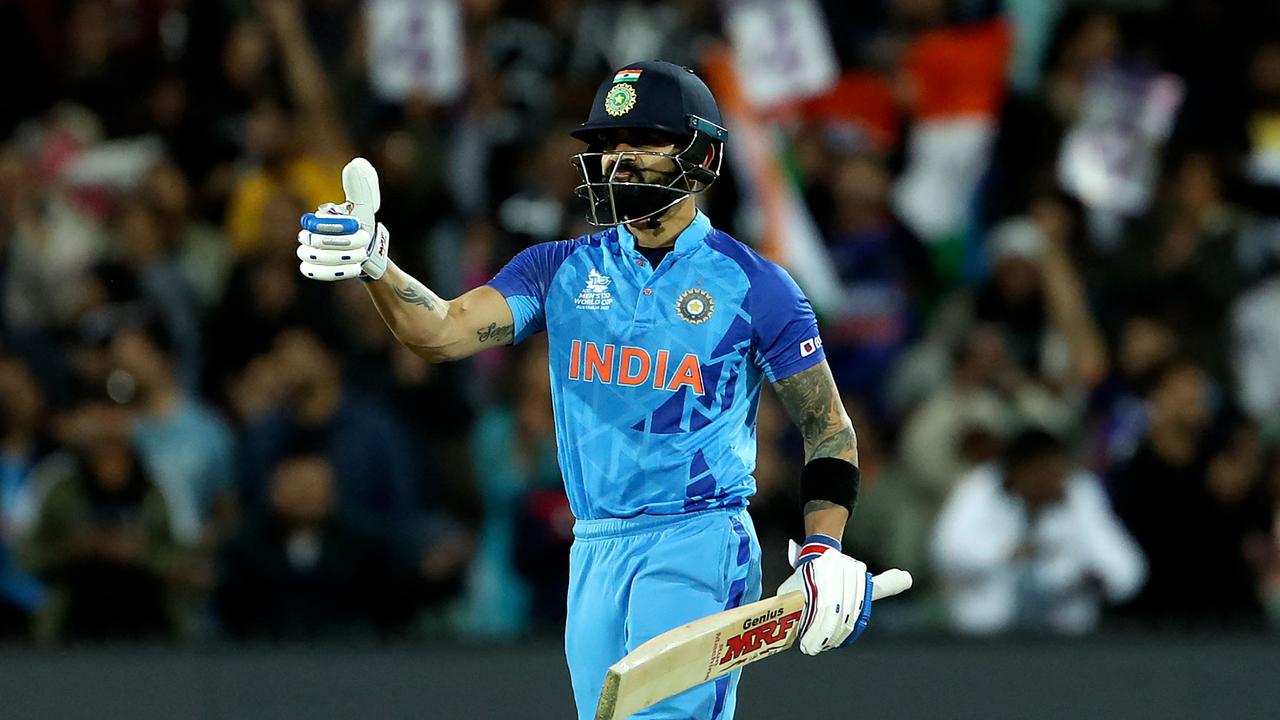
[761, 631]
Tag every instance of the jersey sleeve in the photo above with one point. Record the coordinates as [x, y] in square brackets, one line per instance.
[784, 328]
[525, 281]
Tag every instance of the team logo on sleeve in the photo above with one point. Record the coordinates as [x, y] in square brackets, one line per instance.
[596, 295]
[695, 305]
[620, 100]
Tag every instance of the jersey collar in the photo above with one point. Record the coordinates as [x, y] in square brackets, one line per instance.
[688, 239]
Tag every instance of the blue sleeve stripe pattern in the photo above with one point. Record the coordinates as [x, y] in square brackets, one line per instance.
[783, 325]
[525, 280]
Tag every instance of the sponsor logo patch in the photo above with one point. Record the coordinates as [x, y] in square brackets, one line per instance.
[810, 346]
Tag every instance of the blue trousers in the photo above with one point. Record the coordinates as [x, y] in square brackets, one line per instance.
[632, 579]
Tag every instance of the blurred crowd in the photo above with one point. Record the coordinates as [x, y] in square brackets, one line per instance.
[1068, 411]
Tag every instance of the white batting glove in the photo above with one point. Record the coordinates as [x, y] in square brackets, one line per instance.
[333, 246]
[341, 241]
[837, 594]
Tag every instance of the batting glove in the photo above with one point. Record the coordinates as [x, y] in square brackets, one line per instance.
[333, 246]
[338, 242]
[837, 594]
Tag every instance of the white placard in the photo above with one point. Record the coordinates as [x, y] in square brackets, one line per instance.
[1110, 159]
[416, 46]
[781, 49]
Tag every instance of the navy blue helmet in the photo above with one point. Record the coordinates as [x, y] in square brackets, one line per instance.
[650, 103]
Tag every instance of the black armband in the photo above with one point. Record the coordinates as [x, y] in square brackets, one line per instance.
[830, 479]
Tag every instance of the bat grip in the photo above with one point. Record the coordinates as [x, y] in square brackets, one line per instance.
[889, 583]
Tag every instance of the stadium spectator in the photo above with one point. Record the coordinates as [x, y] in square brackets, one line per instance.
[303, 569]
[1182, 263]
[310, 400]
[102, 541]
[1035, 293]
[182, 441]
[163, 288]
[1031, 544]
[1256, 346]
[1117, 413]
[263, 296]
[300, 149]
[964, 423]
[24, 442]
[519, 578]
[1188, 503]
[1268, 554]
[886, 273]
[1033, 123]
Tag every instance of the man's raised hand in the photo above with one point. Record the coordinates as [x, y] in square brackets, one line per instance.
[338, 242]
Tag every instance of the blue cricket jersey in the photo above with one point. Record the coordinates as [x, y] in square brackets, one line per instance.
[655, 372]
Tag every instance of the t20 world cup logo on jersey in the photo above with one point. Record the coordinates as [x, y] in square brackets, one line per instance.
[596, 295]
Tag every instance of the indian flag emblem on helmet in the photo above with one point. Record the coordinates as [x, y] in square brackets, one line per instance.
[620, 100]
[695, 305]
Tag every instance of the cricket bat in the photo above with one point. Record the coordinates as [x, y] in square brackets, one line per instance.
[711, 646]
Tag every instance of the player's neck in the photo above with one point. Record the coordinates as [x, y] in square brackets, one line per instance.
[670, 225]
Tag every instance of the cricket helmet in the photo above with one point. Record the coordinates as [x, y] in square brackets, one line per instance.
[658, 97]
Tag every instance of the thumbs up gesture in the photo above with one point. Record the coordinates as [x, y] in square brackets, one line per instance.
[342, 241]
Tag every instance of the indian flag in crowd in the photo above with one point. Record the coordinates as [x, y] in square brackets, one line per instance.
[787, 233]
[958, 81]
[628, 76]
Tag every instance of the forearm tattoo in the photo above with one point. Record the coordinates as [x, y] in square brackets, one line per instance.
[814, 404]
[416, 294]
[496, 333]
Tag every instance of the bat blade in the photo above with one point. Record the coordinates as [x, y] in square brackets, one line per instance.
[712, 646]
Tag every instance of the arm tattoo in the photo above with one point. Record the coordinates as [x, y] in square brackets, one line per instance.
[496, 333]
[415, 294]
[814, 404]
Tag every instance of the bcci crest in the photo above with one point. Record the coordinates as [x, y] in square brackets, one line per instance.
[695, 306]
[620, 100]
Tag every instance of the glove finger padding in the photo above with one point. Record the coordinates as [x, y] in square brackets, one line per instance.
[357, 239]
[329, 272]
[330, 220]
[322, 256]
[861, 619]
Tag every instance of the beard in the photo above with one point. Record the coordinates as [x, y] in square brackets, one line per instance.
[640, 192]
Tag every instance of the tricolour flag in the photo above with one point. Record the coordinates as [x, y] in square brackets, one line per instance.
[785, 231]
[627, 76]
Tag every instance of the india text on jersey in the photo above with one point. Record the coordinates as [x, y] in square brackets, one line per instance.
[633, 367]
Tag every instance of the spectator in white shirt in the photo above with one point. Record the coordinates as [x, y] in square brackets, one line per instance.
[1031, 544]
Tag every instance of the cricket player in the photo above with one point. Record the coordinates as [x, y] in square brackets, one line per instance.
[661, 330]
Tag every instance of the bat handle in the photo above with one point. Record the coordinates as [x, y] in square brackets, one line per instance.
[889, 583]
